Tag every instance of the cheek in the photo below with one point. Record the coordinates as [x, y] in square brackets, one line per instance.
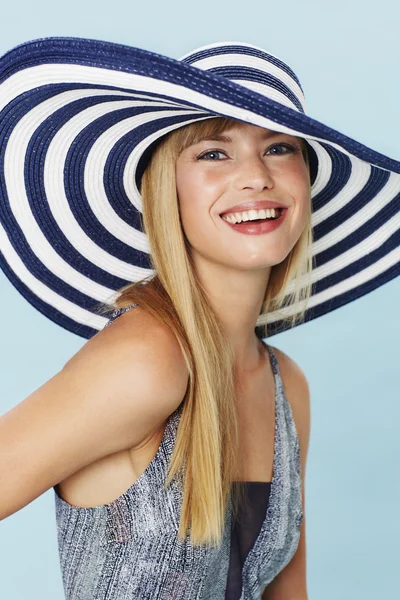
[297, 183]
[197, 191]
[189, 193]
[297, 186]
[190, 196]
[196, 196]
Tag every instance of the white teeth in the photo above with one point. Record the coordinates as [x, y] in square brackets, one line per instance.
[251, 215]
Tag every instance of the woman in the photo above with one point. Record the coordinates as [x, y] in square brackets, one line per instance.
[148, 429]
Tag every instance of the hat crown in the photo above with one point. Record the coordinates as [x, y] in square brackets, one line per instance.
[251, 67]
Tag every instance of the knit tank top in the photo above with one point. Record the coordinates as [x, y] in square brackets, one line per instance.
[129, 549]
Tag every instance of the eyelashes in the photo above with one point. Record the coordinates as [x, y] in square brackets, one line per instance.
[292, 150]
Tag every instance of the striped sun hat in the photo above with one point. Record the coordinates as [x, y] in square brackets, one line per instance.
[78, 120]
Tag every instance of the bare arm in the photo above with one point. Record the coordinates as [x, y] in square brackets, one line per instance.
[110, 396]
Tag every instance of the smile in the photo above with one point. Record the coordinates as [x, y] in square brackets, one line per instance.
[258, 226]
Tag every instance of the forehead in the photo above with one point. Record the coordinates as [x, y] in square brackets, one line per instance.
[232, 130]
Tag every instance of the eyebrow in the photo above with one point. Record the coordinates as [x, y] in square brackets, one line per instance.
[227, 139]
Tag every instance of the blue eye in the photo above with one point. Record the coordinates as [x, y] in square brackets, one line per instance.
[210, 152]
[289, 147]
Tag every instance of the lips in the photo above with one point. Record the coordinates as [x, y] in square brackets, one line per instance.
[254, 205]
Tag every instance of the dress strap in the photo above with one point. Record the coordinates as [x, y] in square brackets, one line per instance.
[275, 366]
[274, 361]
[118, 312]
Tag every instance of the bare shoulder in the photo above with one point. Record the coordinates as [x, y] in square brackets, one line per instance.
[292, 374]
[112, 394]
[138, 355]
[137, 330]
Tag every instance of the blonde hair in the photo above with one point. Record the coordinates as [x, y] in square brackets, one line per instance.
[206, 453]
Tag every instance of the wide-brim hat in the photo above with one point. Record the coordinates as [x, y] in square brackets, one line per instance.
[78, 120]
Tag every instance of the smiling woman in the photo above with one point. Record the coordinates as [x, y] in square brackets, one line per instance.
[176, 438]
[183, 196]
[207, 185]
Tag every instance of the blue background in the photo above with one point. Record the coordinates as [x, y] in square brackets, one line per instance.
[347, 57]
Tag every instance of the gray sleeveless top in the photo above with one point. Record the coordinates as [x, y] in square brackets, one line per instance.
[129, 549]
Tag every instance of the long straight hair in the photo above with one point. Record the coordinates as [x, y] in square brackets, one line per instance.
[206, 455]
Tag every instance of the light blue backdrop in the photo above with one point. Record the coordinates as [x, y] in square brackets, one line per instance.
[347, 56]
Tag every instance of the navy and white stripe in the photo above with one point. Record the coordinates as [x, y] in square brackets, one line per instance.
[77, 117]
[253, 68]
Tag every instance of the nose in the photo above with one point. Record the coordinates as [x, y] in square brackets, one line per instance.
[253, 173]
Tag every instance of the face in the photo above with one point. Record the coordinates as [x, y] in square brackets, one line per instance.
[253, 163]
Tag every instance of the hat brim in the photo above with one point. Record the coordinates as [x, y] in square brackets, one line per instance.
[77, 117]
